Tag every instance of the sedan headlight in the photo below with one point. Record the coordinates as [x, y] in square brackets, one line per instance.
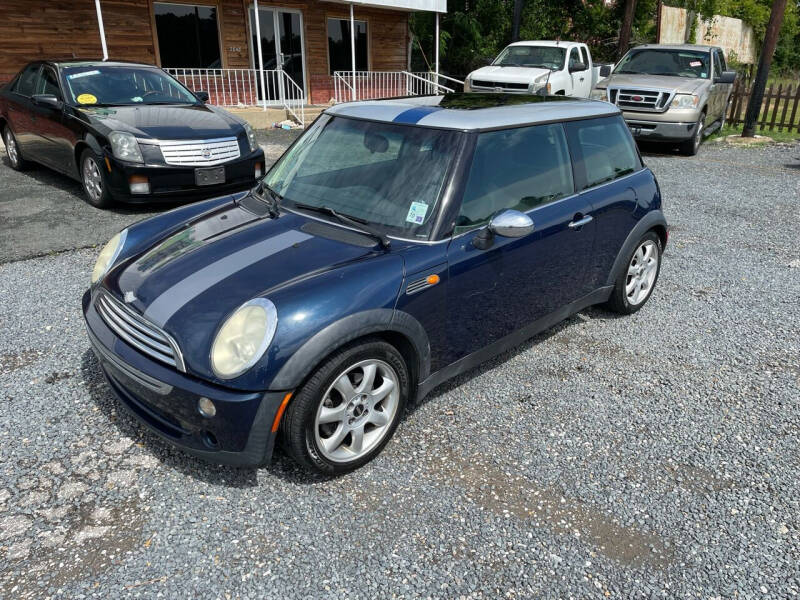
[125, 146]
[243, 338]
[598, 94]
[108, 255]
[251, 136]
[685, 101]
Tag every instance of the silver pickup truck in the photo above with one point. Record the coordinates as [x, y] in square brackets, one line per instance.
[670, 93]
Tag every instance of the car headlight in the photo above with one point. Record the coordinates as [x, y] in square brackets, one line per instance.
[243, 338]
[467, 85]
[539, 83]
[108, 255]
[685, 101]
[598, 94]
[251, 136]
[125, 146]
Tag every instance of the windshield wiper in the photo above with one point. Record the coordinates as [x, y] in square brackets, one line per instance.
[271, 198]
[353, 222]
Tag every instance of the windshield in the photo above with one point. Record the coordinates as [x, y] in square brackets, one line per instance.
[676, 63]
[387, 175]
[545, 57]
[114, 85]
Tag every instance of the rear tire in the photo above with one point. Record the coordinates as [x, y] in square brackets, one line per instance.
[12, 151]
[636, 282]
[94, 180]
[349, 408]
[690, 147]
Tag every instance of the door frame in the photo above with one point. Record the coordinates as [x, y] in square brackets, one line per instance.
[275, 9]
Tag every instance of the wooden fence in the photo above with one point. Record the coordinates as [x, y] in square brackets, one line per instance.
[780, 108]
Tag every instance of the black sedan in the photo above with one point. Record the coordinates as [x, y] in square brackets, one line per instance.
[128, 132]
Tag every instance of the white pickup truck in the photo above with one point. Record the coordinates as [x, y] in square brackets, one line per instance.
[538, 67]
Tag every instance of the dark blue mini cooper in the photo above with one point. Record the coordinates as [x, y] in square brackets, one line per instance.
[394, 245]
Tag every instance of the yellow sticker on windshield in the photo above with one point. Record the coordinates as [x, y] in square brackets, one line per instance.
[86, 99]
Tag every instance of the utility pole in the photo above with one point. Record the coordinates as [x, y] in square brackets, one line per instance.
[764, 62]
[517, 19]
[625, 30]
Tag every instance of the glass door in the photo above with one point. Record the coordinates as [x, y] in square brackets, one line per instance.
[283, 51]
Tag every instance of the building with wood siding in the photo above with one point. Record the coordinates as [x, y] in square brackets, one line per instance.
[308, 39]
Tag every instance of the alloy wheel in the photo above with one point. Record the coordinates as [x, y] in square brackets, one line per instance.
[642, 273]
[11, 149]
[92, 179]
[698, 135]
[357, 411]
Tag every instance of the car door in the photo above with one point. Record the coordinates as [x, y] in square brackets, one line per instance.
[496, 290]
[54, 140]
[19, 109]
[719, 91]
[606, 164]
[586, 77]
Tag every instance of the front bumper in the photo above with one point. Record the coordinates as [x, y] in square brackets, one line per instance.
[170, 183]
[165, 401]
[659, 130]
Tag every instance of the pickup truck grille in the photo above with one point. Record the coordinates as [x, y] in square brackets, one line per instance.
[199, 153]
[139, 333]
[640, 99]
[503, 85]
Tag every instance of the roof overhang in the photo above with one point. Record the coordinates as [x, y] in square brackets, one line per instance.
[439, 6]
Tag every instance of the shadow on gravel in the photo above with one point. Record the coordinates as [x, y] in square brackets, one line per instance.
[171, 457]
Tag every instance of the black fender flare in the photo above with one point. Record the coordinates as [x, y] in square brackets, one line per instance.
[654, 218]
[347, 329]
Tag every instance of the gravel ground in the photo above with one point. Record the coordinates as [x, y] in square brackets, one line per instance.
[651, 456]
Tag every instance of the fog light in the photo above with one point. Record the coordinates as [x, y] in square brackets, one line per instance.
[258, 170]
[206, 408]
[139, 184]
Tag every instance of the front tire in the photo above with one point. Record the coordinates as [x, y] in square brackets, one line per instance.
[348, 409]
[94, 180]
[636, 283]
[690, 147]
[12, 151]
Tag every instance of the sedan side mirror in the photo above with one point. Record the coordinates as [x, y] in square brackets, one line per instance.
[577, 66]
[47, 101]
[605, 70]
[511, 224]
[202, 96]
[727, 77]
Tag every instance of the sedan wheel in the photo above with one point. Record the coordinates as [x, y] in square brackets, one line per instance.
[642, 273]
[94, 182]
[12, 150]
[356, 411]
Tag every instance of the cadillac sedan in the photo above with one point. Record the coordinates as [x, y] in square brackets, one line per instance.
[128, 132]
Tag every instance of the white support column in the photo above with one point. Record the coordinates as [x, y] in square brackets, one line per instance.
[353, 50]
[257, 17]
[436, 60]
[102, 29]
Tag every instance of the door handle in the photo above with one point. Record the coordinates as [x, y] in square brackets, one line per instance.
[581, 222]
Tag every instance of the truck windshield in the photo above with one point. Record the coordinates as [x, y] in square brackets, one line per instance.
[674, 63]
[382, 174]
[544, 57]
[111, 85]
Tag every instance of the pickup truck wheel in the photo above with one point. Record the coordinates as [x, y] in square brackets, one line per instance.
[94, 180]
[690, 147]
[348, 409]
[635, 284]
[12, 150]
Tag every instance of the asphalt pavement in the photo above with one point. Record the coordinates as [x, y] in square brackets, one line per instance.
[650, 456]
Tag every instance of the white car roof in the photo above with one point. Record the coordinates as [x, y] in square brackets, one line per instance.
[545, 43]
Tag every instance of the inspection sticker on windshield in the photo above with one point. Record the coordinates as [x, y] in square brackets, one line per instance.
[695, 63]
[86, 99]
[83, 74]
[416, 213]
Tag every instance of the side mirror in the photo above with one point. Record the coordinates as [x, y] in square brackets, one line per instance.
[577, 66]
[47, 101]
[202, 96]
[605, 70]
[511, 224]
[726, 77]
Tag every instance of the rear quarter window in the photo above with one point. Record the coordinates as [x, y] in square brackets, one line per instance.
[26, 83]
[603, 149]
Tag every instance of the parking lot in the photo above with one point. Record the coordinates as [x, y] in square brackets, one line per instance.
[651, 456]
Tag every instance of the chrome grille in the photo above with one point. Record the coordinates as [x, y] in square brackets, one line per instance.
[505, 86]
[139, 333]
[199, 153]
[640, 99]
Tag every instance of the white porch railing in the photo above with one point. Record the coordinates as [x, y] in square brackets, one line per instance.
[370, 85]
[242, 87]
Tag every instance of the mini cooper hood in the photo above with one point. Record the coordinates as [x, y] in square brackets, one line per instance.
[195, 277]
[683, 85]
[165, 122]
[507, 74]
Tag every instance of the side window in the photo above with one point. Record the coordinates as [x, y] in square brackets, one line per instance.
[718, 64]
[573, 57]
[585, 56]
[515, 168]
[721, 57]
[48, 84]
[605, 147]
[26, 84]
